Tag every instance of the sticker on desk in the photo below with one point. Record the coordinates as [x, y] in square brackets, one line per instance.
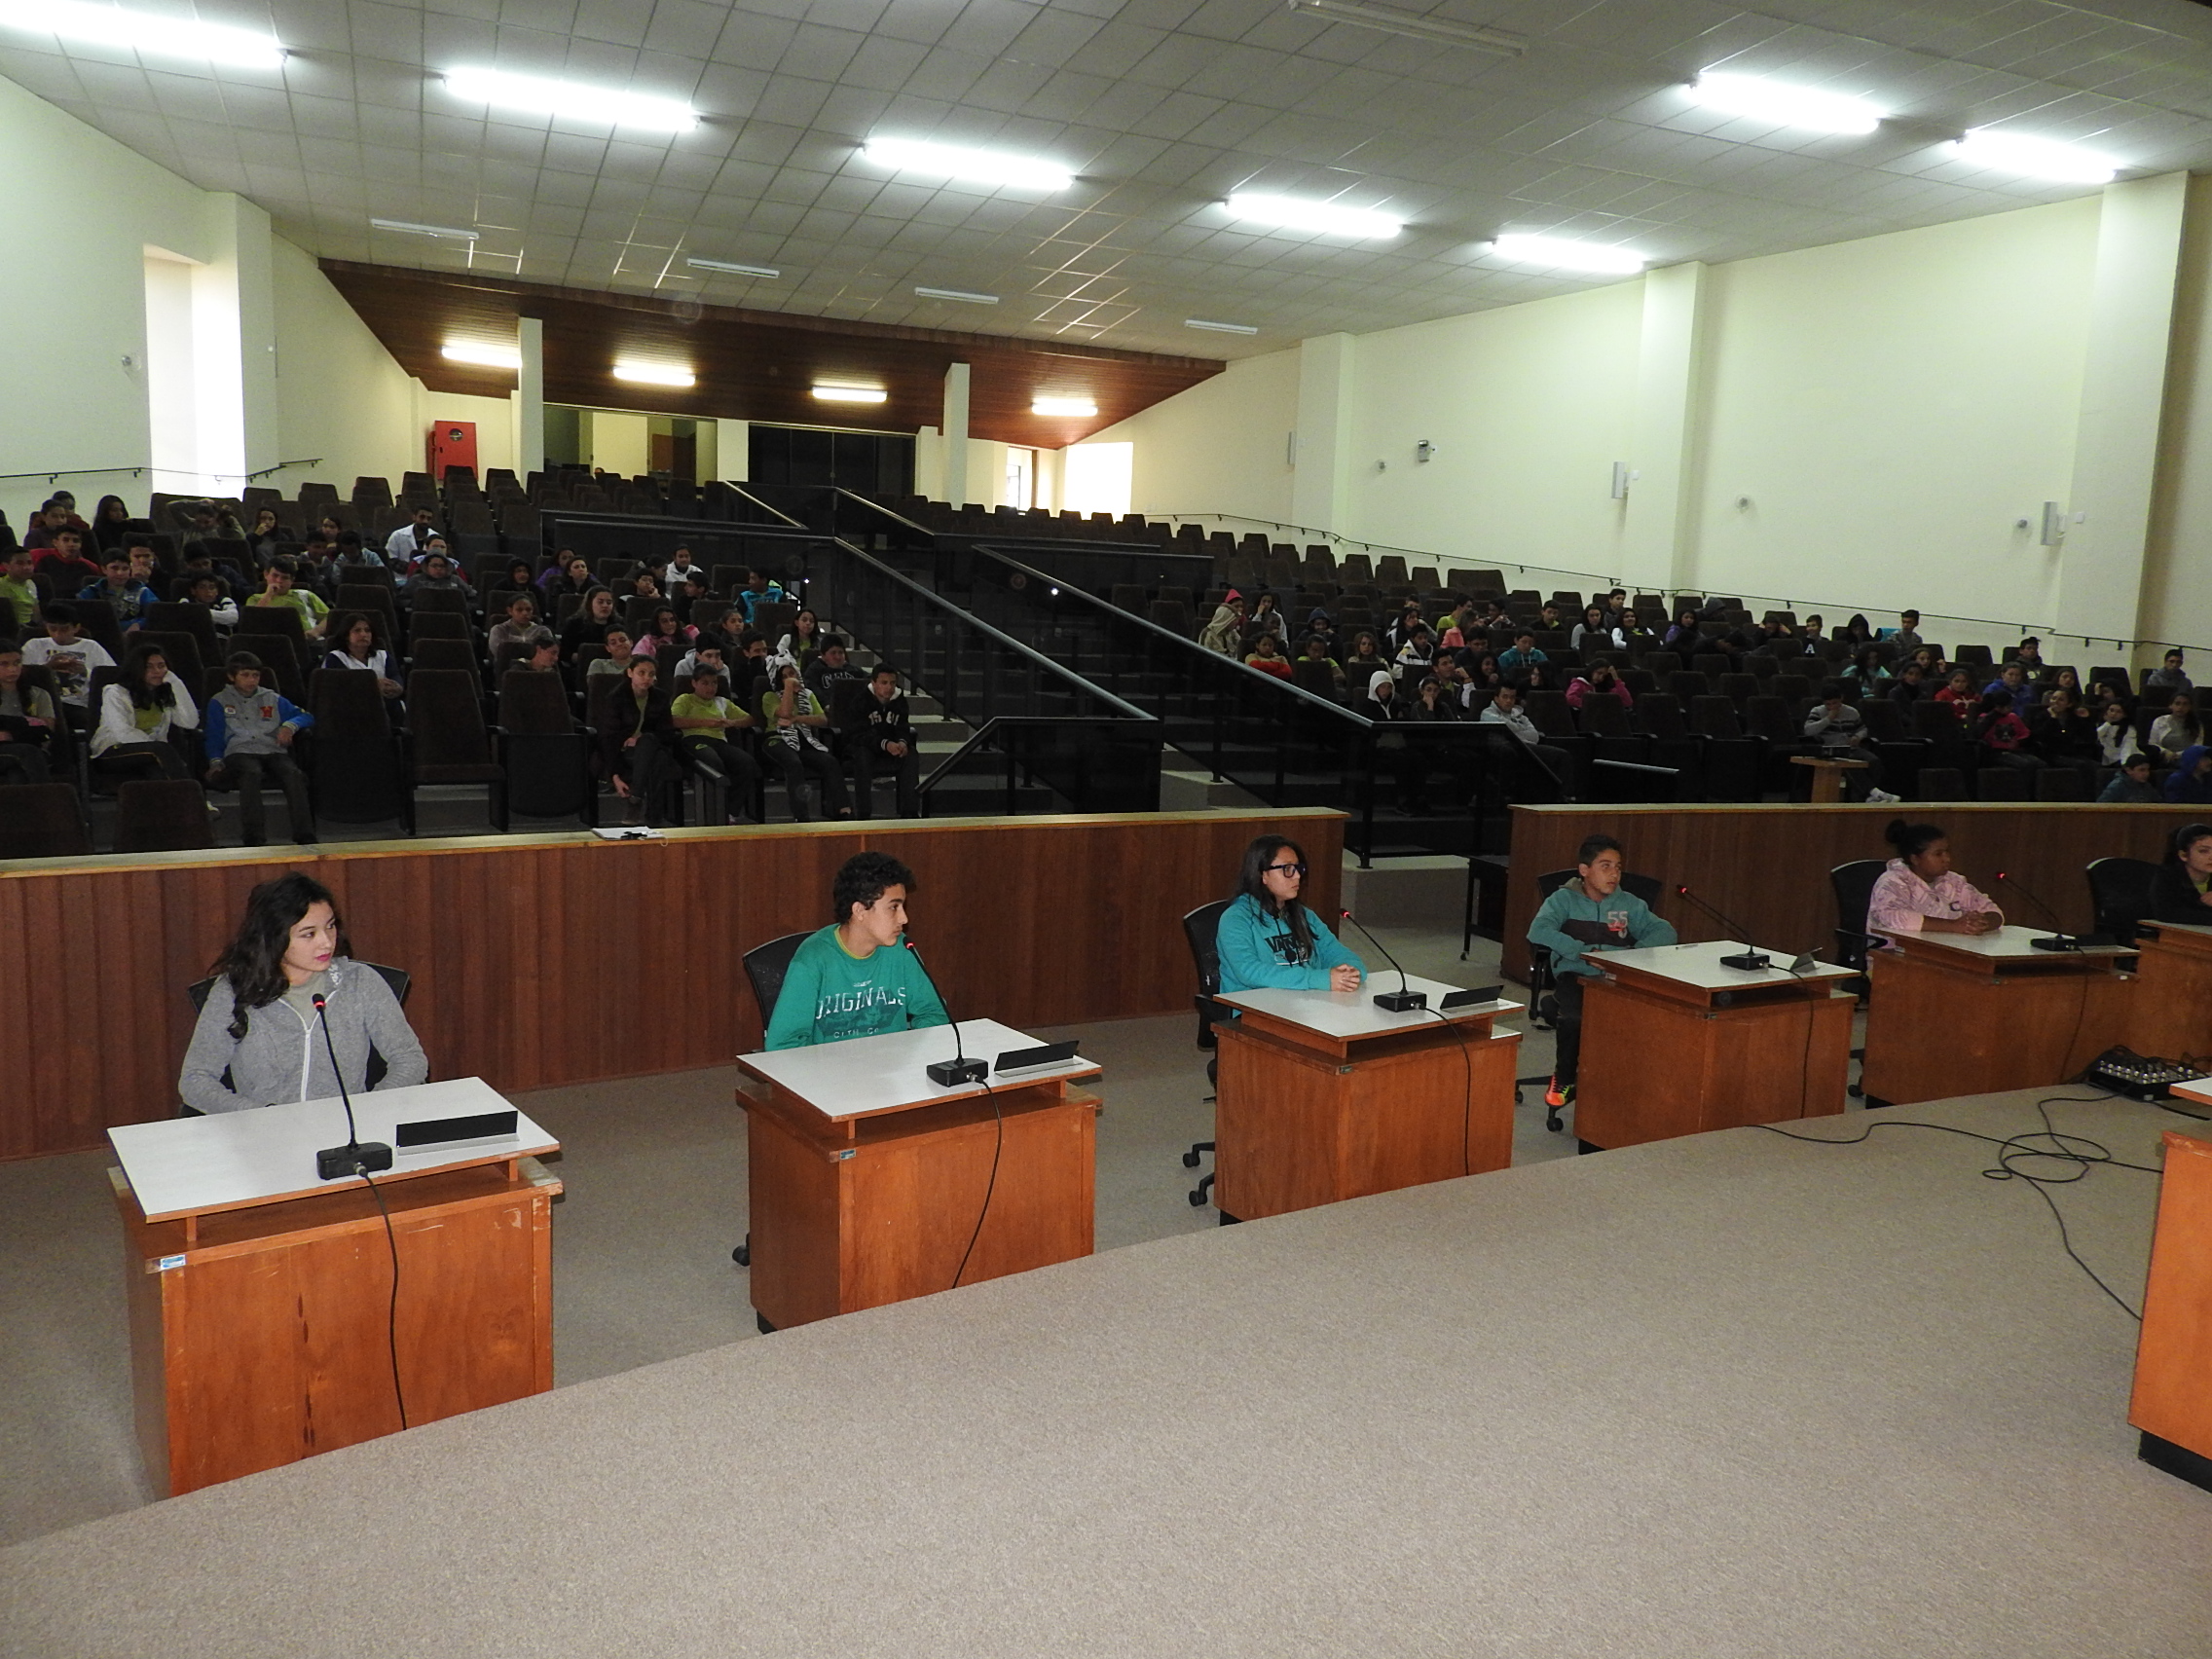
[165, 1264]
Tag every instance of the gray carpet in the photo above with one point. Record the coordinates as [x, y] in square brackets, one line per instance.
[1728, 1395]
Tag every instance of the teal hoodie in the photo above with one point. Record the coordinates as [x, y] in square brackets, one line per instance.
[1257, 949]
[829, 994]
[1624, 914]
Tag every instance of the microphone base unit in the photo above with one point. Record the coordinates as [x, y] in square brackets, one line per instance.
[366, 1158]
[951, 1074]
[1750, 962]
[1401, 1002]
[2055, 941]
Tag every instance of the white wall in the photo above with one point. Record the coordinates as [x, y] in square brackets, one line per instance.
[2177, 576]
[339, 394]
[1221, 447]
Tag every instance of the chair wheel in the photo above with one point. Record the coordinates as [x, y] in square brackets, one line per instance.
[1198, 1197]
[743, 1254]
[1190, 1161]
[1551, 1122]
[1855, 1093]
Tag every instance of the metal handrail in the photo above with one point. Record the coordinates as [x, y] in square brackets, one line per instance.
[53, 474]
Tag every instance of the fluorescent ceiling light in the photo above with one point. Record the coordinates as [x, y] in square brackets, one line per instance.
[1062, 406]
[1286, 212]
[414, 230]
[1390, 21]
[572, 101]
[1784, 105]
[148, 36]
[969, 167]
[654, 374]
[483, 356]
[1219, 327]
[851, 393]
[1560, 253]
[2035, 158]
[960, 294]
[728, 268]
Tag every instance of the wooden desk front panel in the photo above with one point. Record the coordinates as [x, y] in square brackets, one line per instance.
[2170, 1012]
[2173, 1356]
[269, 1343]
[832, 1232]
[1654, 1068]
[1939, 1027]
[1044, 921]
[1298, 1123]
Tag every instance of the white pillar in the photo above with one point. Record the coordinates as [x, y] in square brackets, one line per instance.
[1319, 494]
[1658, 529]
[953, 444]
[733, 451]
[530, 398]
[234, 339]
[2124, 389]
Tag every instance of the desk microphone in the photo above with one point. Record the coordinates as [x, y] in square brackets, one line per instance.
[352, 1158]
[960, 1069]
[1749, 961]
[2060, 938]
[1403, 1000]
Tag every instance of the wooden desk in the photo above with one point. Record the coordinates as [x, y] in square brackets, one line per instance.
[1827, 776]
[1322, 1095]
[1972, 1014]
[2170, 1012]
[2173, 1356]
[1674, 1044]
[258, 1294]
[866, 1179]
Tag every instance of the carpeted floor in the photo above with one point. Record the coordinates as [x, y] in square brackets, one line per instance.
[1727, 1395]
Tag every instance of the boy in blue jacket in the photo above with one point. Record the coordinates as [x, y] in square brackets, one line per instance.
[1593, 911]
[250, 731]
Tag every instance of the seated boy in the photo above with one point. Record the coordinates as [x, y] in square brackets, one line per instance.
[71, 656]
[854, 978]
[704, 721]
[281, 589]
[250, 731]
[27, 720]
[1591, 913]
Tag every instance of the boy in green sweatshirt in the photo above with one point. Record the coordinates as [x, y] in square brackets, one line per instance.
[856, 977]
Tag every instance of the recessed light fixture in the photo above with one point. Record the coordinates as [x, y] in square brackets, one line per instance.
[969, 167]
[728, 268]
[1062, 406]
[1219, 327]
[405, 228]
[482, 356]
[570, 100]
[851, 393]
[1784, 105]
[2035, 158]
[149, 36]
[1563, 254]
[1390, 21]
[960, 294]
[1288, 212]
[653, 374]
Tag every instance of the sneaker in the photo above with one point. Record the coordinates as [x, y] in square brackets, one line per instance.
[1560, 1093]
[1881, 797]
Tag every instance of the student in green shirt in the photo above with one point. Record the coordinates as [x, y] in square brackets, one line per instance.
[281, 592]
[20, 592]
[856, 977]
[705, 723]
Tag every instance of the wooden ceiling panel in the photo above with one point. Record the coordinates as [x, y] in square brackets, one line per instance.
[751, 365]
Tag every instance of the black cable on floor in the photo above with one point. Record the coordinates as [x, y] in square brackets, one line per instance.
[2078, 1153]
[391, 1309]
[990, 1187]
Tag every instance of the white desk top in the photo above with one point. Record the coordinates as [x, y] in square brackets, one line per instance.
[2200, 1092]
[863, 1076]
[2007, 944]
[1699, 965]
[231, 1159]
[2200, 928]
[1353, 1013]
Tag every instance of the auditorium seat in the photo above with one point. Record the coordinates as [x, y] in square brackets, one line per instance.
[357, 776]
[166, 815]
[42, 820]
[543, 750]
[447, 739]
[2004, 782]
[2063, 782]
[1941, 783]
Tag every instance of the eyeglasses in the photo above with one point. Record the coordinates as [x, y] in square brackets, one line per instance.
[1286, 869]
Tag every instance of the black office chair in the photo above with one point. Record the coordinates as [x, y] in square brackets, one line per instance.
[1202, 930]
[398, 979]
[2120, 888]
[765, 966]
[1854, 886]
[1543, 1009]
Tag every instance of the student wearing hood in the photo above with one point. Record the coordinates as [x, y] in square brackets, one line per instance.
[2189, 783]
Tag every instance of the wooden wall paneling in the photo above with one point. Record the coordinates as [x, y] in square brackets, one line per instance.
[546, 961]
[1768, 866]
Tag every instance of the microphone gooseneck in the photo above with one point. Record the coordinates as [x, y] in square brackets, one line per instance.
[2060, 938]
[1403, 1000]
[1748, 960]
[353, 1157]
[960, 1069]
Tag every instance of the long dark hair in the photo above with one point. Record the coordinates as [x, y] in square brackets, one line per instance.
[142, 695]
[254, 960]
[1252, 882]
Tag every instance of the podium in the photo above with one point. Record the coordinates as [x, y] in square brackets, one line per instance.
[1676, 1044]
[1321, 1095]
[1976, 1014]
[866, 1179]
[259, 1295]
[2170, 1009]
[2170, 1404]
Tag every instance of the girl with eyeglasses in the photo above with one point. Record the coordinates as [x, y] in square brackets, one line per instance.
[1269, 937]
